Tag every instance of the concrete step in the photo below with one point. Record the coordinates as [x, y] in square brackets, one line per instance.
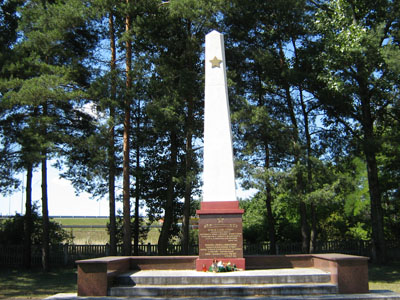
[187, 283]
[187, 277]
[374, 295]
[231, 290]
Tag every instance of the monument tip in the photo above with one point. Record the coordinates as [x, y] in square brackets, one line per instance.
[214, 32]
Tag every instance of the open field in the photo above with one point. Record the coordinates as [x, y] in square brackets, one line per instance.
[89, 236]
[35, 284]
[82, 221]
[93, 231]
[99, 236]
[96, 235]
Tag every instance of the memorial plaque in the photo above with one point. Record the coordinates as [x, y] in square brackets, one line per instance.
[220, 236]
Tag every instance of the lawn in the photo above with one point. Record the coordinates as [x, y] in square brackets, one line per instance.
[385, 277]
[37, 285]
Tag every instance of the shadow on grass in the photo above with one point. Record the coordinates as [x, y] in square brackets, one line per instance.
[16, 283]
[389, 273]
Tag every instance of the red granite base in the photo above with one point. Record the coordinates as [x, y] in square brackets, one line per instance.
[219, 208]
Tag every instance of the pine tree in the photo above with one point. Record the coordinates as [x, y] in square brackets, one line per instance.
[355, 85]
[44, 82]
[265, 75]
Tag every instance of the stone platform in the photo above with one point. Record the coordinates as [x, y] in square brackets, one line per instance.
[97, 277]
[273, 284]
[185, 283]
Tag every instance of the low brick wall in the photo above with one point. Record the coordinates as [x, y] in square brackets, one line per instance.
[163, 262]
[349, 272]
[254, 262]
[96, 275]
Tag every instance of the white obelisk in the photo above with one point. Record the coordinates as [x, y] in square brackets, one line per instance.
[219, 175]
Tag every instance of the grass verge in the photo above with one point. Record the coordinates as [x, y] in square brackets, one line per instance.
[35, 284]
[385, 277]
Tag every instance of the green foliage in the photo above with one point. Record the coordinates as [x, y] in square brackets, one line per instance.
[254, 219]
[8, 183]
[340, 194]
[41, 85]
[12, 230]
[357, 199]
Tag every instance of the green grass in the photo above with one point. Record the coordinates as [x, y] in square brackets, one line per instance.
[385, 277]
[89, 236]
[97, 236]
[82, 221]
[35, 284]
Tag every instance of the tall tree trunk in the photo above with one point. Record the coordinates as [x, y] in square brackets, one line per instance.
[137, 184]
[268, 204]
[126, 184]
[45, 211]
[269, 199]
[370, 147]
[28, 221]
[169, 203]
[189, 127]
[137, 204]
[111, 148]
[313, 232]
[304, 228]
[378, 235]
[188, 176]
[45, 217]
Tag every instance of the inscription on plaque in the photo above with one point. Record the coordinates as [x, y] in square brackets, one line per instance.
[220, 237]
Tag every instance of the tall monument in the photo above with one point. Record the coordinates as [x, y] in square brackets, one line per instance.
[220, 219]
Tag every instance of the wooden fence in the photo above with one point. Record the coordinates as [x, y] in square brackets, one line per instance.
[68, 254]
